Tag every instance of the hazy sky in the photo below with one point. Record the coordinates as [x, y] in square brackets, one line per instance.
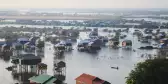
[83, 3]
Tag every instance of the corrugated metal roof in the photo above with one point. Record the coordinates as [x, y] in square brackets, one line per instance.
[23, 39]
[127, 41]
[2, 43]
[33, 38]
[17, 44]
[51, 81]
[86, 78]
[84, 41]
[68, 41]
[60, 45]
[28, 56]
[30, 43]
[40, 79]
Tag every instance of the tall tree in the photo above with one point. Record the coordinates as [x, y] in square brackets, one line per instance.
[149, 72]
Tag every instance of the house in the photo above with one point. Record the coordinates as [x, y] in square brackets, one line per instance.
[127, 44]
[44, 79]
[22, 40]
[27, 59]
[89, 79]
[2, 42]
[113, 42]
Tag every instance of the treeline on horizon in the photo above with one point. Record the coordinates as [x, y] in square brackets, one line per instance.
[119, 23]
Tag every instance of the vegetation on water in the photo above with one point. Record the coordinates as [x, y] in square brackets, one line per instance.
[149, 72]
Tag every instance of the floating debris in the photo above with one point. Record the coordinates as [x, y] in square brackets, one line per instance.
[147, 47]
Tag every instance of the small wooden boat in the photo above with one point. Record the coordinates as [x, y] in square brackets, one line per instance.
[115, 68]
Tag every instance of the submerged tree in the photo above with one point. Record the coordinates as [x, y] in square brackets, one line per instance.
[149, 72]
[162, 52]
[40, 45]
[117, 35]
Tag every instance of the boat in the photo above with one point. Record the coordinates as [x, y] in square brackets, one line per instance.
[115, 68]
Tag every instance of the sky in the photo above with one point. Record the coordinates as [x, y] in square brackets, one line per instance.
[83, 3]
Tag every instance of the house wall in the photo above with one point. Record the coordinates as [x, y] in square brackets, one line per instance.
[96, 83]
[80, 82]
[32, 82]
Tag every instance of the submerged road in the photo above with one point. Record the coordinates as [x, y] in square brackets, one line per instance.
[64, 17]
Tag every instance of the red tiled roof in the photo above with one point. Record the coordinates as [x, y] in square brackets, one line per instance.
[85, 78]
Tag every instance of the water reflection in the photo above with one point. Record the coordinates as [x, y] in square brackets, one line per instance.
[61, 56]
[61, 77]
[5, 56]
[23, 77]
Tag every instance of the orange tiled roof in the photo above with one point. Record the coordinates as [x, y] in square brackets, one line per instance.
[85, 78]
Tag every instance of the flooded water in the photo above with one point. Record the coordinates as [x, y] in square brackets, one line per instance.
[98, 64]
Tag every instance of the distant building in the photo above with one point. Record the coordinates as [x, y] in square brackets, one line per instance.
[23, 40]
[89, 79]
[163, 43]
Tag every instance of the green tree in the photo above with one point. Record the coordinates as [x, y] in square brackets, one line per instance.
[117, 35]
[18, 47]
[149, 72]
[40, 45]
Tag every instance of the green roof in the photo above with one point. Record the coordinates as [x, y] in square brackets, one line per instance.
[42, 79]
[51, 81]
